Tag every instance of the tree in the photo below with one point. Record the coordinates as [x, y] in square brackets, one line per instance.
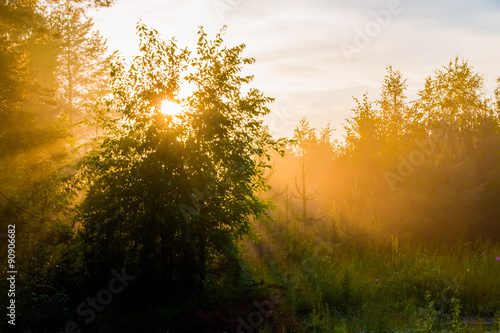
[462, 165]
[82, 71]
[34, 151]
[172, 195]
[363, 129]
[384, 125]
[19, 23]
[433, 161]
[396, 116]
[314, 151]
[33, 144]
[454, 95]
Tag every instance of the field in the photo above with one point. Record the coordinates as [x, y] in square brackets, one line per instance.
[324, 280]
[333, 283]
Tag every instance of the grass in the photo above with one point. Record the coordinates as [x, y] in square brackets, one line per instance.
[338, 284]
[333, 280]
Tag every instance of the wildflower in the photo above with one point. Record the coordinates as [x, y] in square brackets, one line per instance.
[498, 258]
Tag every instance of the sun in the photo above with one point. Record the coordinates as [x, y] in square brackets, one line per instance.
[170, 108]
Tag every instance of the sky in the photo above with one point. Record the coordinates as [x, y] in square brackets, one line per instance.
[314, 56]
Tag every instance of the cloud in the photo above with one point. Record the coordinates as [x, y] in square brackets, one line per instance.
[297, 43]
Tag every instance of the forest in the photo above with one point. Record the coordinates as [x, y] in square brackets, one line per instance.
[127, 206]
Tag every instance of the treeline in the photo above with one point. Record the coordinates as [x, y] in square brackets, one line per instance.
[424, 170]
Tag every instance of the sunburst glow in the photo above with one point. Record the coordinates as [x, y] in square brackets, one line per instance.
[170, 108]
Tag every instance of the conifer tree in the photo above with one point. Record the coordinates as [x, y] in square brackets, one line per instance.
[82, 74]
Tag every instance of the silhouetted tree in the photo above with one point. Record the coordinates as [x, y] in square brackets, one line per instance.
[173, 195]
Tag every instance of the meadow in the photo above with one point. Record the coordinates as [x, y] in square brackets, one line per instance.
[334, 283]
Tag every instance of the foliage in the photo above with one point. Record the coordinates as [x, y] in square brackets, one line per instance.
[457, 323]
[36, 152]
[33, 143]
[168, 194]
[82, 73]
[432, 160]
[417, 293]
[429, 315]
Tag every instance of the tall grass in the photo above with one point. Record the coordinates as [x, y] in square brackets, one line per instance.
[338, 281]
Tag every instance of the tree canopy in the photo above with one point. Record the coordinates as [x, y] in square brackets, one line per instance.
[173, 194]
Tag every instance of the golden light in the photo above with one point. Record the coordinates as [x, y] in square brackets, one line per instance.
[170, 108]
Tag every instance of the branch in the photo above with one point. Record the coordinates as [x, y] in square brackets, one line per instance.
[278, 194]
[272, 172]
[18, 207]
[297, 187]
[19, 120]
[313, 195]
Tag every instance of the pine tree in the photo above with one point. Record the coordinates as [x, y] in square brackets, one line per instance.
[82, 74]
